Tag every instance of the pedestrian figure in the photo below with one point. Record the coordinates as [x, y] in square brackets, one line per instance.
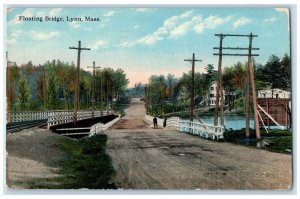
[155, 122]
[165, 122]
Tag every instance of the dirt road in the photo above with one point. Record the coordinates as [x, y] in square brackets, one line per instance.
[31, 158]
[147, 158]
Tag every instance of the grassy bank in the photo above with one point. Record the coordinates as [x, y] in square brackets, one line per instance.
[86, 164]
[276, 140]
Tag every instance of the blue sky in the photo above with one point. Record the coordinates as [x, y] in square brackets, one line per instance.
[145, 41]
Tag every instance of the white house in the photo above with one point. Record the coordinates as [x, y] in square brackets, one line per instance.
[274, 93]
[213, 94]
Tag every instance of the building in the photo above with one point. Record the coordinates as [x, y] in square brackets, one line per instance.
[213, 94]
[274, 93]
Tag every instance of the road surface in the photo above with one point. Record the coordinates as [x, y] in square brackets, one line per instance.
[147, 158]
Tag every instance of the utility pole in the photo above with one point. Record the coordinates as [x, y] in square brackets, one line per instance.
[251, 73]
[101, 95]
[219, 88]
[193, 60]
[250, 79]
[7, 92]
[44, 93]
[107, 95]
[94, 88]
[77, 86]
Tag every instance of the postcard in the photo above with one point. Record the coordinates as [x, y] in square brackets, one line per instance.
[148, 98]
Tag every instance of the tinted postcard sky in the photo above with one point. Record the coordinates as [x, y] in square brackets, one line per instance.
[144, 41]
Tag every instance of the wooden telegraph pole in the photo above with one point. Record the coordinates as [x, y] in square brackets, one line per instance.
[7, 88]
[44, 90]
[193, 60]
[250, 79]
[101, 95]
[94, 88]
[219, 88]
[251, 73]
[77, 87]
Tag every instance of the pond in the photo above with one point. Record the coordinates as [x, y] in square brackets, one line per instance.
[234, 122]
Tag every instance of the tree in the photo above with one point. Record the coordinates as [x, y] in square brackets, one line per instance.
[52, 83]
[12, 81]
[239, 76]
[275, 74]
[24, 93]
[228, 85]
[171, 83]
[286, 66]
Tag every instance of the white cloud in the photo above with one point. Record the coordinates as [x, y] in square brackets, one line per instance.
[16, 33]
[241, 22]
[126, 44]
[99, 44]
[136, 27]
[287, 12]
[149, 40]
[144, 9]
[41, 36]
[171, 22]
[55, 11]
[12, 41]
[15, 21]
[269, 20]
[109, 14]
[180, 30]
[172, 30]
[74, 24]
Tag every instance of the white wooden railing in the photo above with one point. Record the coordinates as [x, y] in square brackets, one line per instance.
[56, 118]
[99, 128]
[172, 122]
[202, 130]
[27, 116]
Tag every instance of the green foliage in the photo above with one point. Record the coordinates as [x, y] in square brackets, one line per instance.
[276, 140]
[86, 164]
[54, 82]
[23, 93]
[275, 74]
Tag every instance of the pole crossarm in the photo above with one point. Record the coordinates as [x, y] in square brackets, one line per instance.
[235, 48]
[191, 60]
[235, 35]
[76, 48]
[230, 54]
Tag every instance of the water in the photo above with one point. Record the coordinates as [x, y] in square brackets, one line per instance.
[234, 122]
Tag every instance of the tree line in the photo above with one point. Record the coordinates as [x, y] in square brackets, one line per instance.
[51, 86]
[166, 94]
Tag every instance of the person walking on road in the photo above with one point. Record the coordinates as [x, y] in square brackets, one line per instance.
[155, 122]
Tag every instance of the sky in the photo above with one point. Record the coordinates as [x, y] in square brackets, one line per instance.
[145, 41]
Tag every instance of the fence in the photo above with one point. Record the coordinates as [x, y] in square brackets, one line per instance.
[27, 116]
[99, 128]
[56, 118]
[202, 130]
[171, 121]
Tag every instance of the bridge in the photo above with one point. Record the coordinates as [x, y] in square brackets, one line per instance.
[176, 157]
